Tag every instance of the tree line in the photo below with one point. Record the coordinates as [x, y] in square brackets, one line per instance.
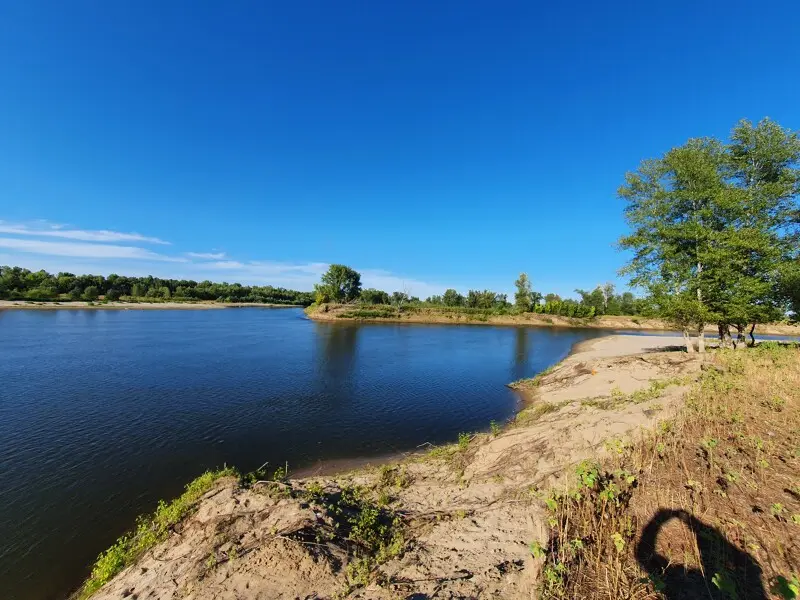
[342, 284]
[17, 283]
[714, 229]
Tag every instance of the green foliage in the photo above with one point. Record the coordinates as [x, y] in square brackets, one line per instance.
[379, 312]
[714, 228]
[537, 550]
[373, 534]
[373, 296]
[523, 297]
[789, 286]
[788, 589]
[340, 284]
[453, 298]
[723, 581]
[486, 299]
[17, 283]
[90, 294]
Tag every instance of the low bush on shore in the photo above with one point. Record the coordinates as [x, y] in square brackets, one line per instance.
[707, 506]
[369, 313]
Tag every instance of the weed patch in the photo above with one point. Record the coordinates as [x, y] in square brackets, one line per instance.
[703, 506]
[371, 533]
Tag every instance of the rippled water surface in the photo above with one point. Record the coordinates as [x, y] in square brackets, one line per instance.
[104, 412]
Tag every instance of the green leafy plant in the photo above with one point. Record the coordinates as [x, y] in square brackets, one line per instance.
[537, 550]
[788, 589]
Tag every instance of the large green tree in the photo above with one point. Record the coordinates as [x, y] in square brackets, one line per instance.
[452, 298]
[340, 283]
[713, 226]
[522, 297]
[760, 235]
[671, 213]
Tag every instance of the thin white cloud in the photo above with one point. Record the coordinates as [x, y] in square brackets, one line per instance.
[206, 255]
[304, 276]
[299, 276]
[224, 264]
[105, 258]
[78, 250]
[85, 235]
[389, 282]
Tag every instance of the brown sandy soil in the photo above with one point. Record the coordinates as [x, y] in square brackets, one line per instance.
[467, 512]
[334, 313]
[27, 305]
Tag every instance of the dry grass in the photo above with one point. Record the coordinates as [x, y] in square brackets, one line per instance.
[706, 506]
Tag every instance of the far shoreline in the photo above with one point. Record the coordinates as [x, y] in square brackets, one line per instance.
[117, 305]
[337, 313]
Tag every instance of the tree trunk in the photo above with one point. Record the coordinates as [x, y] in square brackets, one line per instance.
[752, 337]
[688, 340]
[724, 335]
[741, 340]
[701, 338]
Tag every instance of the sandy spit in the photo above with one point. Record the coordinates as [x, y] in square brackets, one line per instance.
[469, 516]
[333, 313]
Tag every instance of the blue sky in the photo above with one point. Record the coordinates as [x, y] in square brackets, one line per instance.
[427, 144]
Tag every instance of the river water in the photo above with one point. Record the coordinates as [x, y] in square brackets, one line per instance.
[102, 413]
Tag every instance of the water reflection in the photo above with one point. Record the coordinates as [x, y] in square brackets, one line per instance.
[336, 359]
[520, 366]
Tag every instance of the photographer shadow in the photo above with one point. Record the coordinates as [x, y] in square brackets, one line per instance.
[727, 571]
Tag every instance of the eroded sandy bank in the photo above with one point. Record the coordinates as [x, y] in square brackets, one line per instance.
[465, 515]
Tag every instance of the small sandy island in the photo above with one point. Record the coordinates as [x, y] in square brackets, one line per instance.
[461, 517]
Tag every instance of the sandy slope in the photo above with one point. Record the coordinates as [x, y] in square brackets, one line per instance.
[469, 516]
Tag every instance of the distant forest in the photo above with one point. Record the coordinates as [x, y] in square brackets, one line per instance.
[17, 283]
[22, 284]
[342, 284]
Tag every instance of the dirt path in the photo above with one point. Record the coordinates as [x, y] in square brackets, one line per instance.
[467, 513]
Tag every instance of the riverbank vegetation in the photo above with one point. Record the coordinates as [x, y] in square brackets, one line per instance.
[715, 229]
[22, 284]
[706, 505]
[342, 285]
[714, 237]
